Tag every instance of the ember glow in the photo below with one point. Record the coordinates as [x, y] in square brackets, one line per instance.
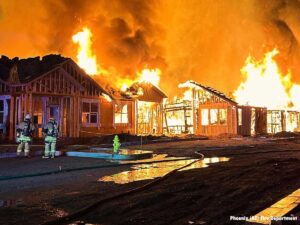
[85, 57]
[265, 85]
[107, 98]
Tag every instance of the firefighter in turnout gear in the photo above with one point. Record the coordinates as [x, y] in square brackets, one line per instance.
[24, 136]
[50, 131]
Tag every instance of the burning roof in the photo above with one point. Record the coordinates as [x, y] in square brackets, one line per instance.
[143, 91]
[211, 90]
[147, 92]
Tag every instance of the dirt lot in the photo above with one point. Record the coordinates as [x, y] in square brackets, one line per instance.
[260, 172]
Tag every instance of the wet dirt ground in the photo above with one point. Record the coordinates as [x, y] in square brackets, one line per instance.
[259, 173]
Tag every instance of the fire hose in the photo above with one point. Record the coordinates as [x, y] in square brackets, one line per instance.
[2, 178]
[58, 171]
[83, 211]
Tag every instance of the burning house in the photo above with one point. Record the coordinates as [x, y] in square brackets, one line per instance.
[210, 112]
[55, 86]
[266, 101]
[265, 86]
[147, 105]
[213, 113]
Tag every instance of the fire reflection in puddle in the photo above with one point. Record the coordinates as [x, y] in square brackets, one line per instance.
[156, 157]
[133, 152]
[157, 169]
[122, 151]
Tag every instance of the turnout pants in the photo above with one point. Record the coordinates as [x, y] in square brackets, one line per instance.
[26, 149]
[50, 146]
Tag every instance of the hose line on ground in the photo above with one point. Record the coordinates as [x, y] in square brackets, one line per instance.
[2, 178]
[84, 168]
[81, 212]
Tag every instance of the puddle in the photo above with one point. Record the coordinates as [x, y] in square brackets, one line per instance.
[155, 157]
[133, 152]
[9, 203]
[159, 169]
[122, 151]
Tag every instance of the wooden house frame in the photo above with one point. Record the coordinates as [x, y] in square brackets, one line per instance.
[208, 105]
[178, 118]
[60, 92]
[282, 120]
[83, 108]
[214, 113]
[147, 107]
[80, 105]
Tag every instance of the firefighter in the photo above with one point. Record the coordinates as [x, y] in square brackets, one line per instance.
[24, 136]
[50, 131]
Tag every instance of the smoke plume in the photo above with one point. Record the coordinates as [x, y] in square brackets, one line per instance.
[207, 41]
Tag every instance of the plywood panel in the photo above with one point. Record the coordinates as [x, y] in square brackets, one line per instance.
[217, 129]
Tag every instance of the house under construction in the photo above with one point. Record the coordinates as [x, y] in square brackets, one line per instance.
[282, 120]
[54, 86]
[144, 103]
[211, 113]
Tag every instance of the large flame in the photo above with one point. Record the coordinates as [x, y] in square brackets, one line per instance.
[265, 86]
[150, 76]
[144, 76]
[85, 57]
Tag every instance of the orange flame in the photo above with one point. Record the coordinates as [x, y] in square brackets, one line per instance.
[146, 75]
[265, 86]
[85, 58]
